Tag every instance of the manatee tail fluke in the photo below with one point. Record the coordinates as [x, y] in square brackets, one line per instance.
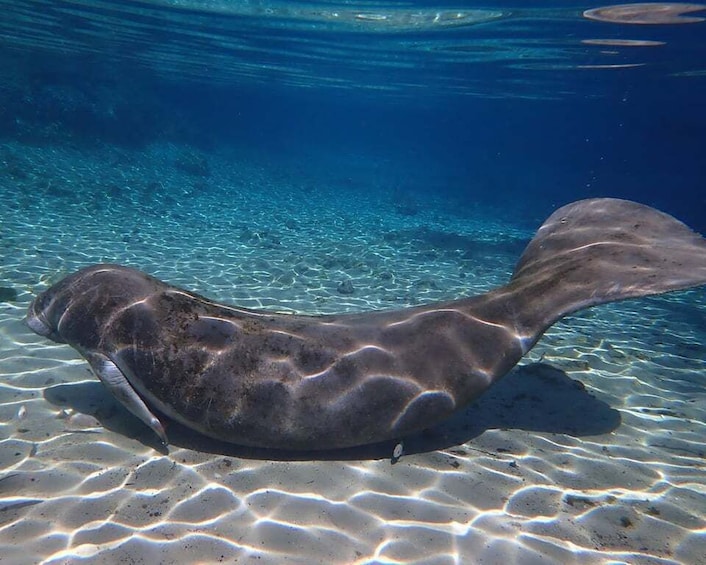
[602, 250]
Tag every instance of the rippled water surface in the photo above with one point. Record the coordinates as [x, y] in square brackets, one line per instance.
[399, 47]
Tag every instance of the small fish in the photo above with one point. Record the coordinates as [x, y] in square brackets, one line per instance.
[22, 413]
[397, 452]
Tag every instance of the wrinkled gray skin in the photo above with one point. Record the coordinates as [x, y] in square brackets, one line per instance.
[319, 382]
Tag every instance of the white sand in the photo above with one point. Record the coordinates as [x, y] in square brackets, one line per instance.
[538, 471]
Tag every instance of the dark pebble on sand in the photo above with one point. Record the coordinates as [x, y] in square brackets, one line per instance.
[345, 287]
[193, 163]
[7, 294]
[286, 278]
[426, 283]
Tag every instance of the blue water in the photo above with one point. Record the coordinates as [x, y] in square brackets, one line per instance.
[488, 103]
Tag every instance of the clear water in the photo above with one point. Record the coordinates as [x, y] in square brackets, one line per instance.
[263, 153]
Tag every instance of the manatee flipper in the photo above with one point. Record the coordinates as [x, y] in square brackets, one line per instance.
[596, 251]
[122, 390]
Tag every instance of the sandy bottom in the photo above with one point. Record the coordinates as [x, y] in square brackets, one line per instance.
[591, 451]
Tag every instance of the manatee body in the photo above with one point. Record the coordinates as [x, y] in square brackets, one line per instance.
[318, 382]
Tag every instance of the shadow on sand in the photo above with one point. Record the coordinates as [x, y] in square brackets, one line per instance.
[535, 397]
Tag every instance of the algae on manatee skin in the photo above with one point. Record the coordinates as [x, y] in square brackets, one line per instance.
[7, 294]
